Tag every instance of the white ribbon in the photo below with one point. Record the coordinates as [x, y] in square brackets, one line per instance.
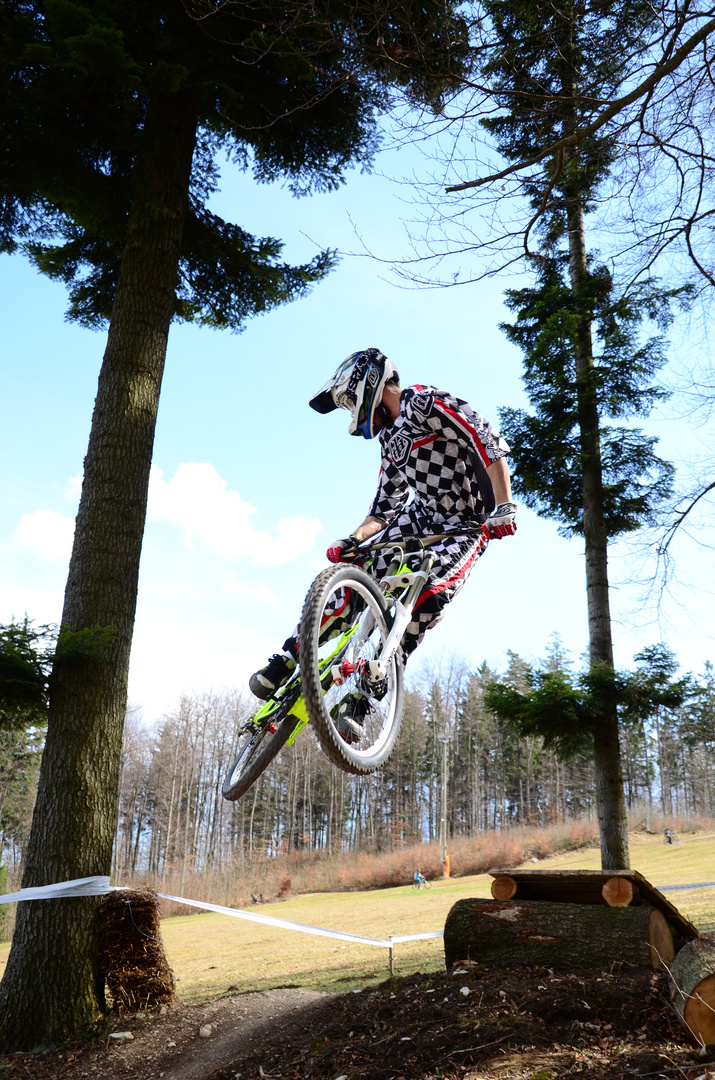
[86, 886]
[302, 928]
[98, 886]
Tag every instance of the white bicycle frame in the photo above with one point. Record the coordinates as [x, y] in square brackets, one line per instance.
[404, 606]
[415, 581]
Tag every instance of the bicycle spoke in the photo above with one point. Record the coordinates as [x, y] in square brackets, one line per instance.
[356, 707]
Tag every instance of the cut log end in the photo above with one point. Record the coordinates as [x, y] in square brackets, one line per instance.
[504, 888]
[692, 976]
[619, 892]
[660, 941]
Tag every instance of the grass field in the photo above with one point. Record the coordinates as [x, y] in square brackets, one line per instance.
[212, 954]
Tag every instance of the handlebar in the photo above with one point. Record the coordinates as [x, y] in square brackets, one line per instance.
[422, 541]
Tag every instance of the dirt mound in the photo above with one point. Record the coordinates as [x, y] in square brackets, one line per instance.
[479, 1024]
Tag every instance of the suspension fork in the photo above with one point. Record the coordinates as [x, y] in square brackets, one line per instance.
[415, 580]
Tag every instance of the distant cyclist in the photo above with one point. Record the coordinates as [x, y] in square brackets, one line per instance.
[435, 448]
[419, 879]
[669, 836]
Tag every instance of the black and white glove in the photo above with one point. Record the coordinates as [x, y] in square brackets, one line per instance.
[501, 521]
[339, 548]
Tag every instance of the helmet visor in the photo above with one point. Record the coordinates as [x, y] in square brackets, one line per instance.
[332, 394]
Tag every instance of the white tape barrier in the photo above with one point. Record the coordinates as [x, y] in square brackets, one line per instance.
[86, 886]
[302, 928]
[97, 886]
[676, 888]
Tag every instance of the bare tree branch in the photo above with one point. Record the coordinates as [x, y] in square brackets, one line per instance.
[579, 134]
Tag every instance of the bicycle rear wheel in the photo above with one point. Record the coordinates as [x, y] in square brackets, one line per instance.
[259, 741]
[373, 707]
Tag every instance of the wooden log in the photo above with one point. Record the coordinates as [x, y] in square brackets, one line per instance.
[692, 978]
[504, 888]
[619, 892]
[515, 932]
[585, 887]
[660, 940]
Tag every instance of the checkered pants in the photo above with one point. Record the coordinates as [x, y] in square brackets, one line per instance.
[454, 558]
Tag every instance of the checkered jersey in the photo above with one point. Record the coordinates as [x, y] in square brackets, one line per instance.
[439, 447]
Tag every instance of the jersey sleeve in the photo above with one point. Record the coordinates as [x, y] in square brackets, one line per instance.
[458, 420]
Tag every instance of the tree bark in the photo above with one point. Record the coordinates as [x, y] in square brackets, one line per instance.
[514, 933]
[610, 798]
[53, 985]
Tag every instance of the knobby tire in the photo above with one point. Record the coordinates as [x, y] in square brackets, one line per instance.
[257, 752]
[383, 722]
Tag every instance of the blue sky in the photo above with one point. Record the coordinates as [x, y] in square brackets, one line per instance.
[250, 485]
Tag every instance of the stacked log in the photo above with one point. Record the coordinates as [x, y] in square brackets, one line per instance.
[615, 891]
[558, 935]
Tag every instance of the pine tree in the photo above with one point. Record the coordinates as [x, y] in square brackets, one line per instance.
[111, 116]
[549, 64]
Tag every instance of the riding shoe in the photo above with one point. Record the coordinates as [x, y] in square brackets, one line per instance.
[264, 683]
[349, 716]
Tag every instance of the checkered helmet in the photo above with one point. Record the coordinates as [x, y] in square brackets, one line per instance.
[357, 385]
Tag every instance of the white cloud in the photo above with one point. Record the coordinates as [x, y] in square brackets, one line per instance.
[74, 489]
[250, 592]
[199, 501]
[172, 656]
[46, 534]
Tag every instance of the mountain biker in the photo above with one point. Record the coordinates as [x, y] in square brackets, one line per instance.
[420, 879]
[437, 447]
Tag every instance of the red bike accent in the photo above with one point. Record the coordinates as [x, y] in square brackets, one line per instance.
[272, 728]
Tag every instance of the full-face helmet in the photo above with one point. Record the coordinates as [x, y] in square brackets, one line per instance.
[357, 385]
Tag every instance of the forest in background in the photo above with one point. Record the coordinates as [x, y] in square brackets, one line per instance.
[175, 829]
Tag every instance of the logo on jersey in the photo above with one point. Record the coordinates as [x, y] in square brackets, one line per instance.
[422, 404]
[400, 448]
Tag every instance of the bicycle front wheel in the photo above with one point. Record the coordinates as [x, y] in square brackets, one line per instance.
[357, 716]
[259, 741]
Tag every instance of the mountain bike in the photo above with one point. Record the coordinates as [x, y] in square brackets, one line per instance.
[362, 661]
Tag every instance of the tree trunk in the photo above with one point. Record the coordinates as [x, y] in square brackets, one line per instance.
[610, 800]
[53, 985]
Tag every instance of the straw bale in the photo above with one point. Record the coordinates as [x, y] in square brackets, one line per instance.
[135, 967]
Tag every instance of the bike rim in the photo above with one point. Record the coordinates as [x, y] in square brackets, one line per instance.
[364, 645]
[248, 743]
